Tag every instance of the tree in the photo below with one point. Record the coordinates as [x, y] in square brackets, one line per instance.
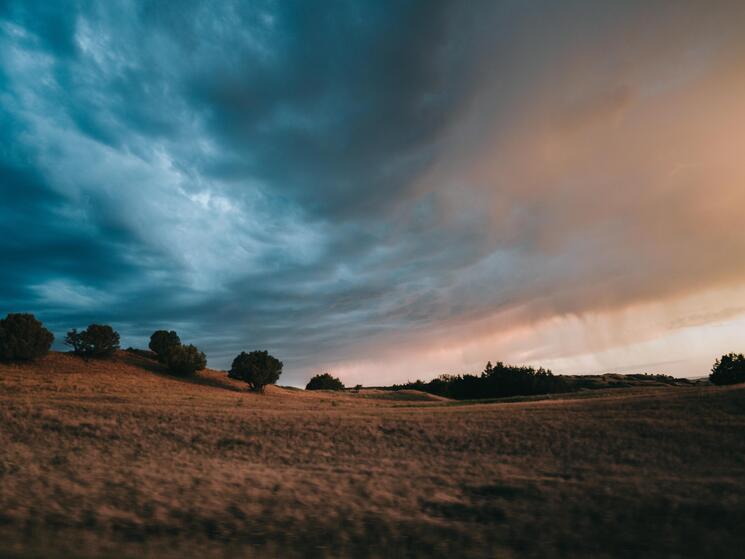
[163, 340]
[23, 337]
[98, 340]
[324, 382]
[185, 360]
[257, 368]
[730, 369]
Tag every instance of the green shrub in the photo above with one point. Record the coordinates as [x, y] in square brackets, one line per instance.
[23, 337]
[257, 368]
[730, 369]
[185, 360]
[98, 340]
[163, 340]
[324, 381]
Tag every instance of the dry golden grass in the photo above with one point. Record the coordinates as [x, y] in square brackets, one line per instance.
[117, 459]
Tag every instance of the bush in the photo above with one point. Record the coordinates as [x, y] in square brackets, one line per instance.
[185, 360]
[98, 340]
[730, 369]
[257, 368]
[23, 337]
[324, 382]
[163, 340]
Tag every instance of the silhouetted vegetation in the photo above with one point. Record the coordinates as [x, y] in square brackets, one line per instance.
[324, 381]
[730, 369]
[497, 381]
[257, 368]
[98, 340]
[23, 337]
[182, 360]
[163, 340]
[185, 360]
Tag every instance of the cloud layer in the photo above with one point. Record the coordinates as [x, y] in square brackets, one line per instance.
[384, 189]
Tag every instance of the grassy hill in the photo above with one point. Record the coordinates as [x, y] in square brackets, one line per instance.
[118, 459]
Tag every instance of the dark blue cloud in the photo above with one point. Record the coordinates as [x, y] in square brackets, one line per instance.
[354, 96]
[224, 168]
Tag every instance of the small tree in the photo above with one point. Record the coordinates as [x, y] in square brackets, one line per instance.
[23, 337]
[185, 360]
[163, 340]
[257, 368]
[324, 382]
[98, 340]
[74, 339]
[730, 369]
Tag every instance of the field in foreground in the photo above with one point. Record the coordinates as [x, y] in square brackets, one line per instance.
[117, 459]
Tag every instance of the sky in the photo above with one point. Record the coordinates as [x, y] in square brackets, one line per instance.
[381, 190]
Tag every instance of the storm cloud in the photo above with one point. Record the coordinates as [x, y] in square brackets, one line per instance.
[385, 189]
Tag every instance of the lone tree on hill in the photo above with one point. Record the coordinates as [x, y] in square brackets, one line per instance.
[98, 340]
[184, 360]
[324, 381]
[23, 337]
[730, 369]
[163, 340]
[257, 368]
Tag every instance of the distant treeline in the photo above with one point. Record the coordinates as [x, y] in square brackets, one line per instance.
[496, 381]
[503, 381]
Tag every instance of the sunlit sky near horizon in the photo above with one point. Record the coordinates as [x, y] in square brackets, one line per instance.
[381, 190]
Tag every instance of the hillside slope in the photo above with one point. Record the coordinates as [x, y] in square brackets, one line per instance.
[131, 378]
[116, 458]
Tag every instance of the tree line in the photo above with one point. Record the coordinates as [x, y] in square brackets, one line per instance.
[495, 381]
[501, 381]
[23, 338]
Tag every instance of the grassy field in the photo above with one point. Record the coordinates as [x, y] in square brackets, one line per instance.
[117, 459]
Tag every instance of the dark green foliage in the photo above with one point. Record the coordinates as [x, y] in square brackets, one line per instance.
[730, 369]
[185, 360]
[498, 381]
[163, 340]
[324, 382]
[257, 368]
[180, 359]
[23, 337]
[98, 340]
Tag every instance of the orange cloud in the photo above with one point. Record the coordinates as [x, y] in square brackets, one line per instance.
[614, 192]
